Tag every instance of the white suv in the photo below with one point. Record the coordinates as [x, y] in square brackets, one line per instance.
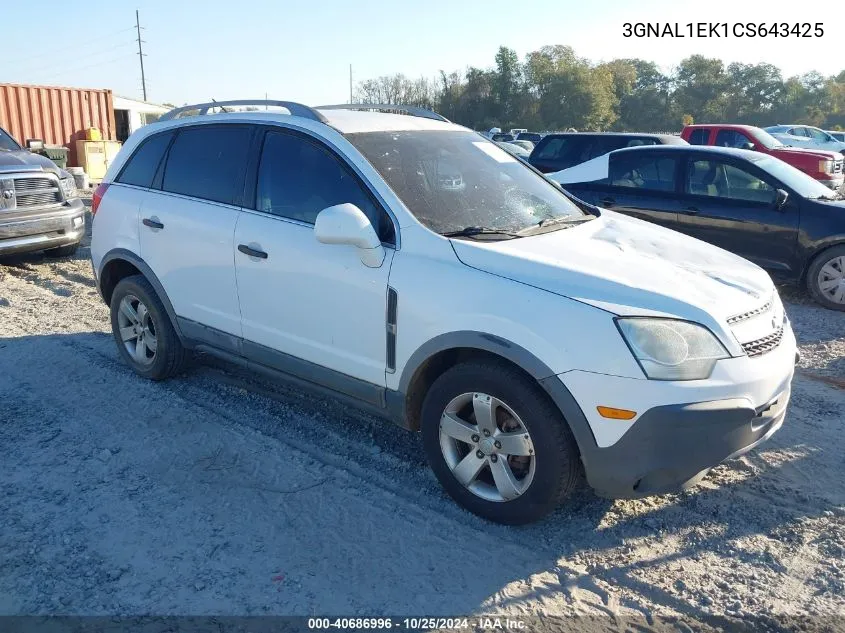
[414, 268]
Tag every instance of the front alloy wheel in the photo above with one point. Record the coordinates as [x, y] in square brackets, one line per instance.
[487, 447]
[497, 443]
[831, 280]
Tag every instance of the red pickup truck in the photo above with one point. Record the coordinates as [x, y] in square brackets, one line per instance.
[823, 165]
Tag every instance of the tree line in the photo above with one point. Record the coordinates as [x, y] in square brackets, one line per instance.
[554, 89]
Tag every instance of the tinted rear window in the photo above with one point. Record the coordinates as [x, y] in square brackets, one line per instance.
[141, 168]
[640, 170]
[207, 162]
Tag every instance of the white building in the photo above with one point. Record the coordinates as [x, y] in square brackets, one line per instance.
[131, 114]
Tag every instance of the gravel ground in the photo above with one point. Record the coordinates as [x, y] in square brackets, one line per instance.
[218, 492]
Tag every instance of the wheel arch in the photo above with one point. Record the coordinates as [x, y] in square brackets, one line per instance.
[437, 355]
[120, 263]
[818, 250]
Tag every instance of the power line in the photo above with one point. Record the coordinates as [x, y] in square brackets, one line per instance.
[94, 65]
[76, 58]
[52, 53]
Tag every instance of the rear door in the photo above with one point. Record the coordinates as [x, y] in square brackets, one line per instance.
[641, 184]
[731, 203]
[188, 223]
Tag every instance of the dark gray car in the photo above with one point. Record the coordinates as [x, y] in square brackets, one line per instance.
[39, 207]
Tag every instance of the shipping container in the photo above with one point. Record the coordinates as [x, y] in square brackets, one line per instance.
[55, 115]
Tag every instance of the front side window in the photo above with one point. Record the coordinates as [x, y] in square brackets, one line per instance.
[7, 143]
[722, 180]
[207, 162]
[297, 178]
[141, 167]
[817, 135]
[454, 179]
[732, 138]
[641, 170]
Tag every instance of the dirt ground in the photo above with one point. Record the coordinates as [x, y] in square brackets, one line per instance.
[219, 492]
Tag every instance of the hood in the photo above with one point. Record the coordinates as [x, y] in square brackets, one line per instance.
[821, 154]
[628, 267]
[24, 160]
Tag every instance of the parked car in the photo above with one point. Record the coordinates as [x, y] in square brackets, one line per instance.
[502, 137]
[533, 137]
[806, 136]
[39, 206]
[823, 165]
[515, 132]
[516, 150]
[333, 249]
[749, 203]
[528, 146]
[838, 135]
[562, 151]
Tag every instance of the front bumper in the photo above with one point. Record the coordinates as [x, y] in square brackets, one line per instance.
[683, 429]
[833, 183]
[39, 230]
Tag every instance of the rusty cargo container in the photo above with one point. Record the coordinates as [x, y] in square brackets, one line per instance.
[55, 115]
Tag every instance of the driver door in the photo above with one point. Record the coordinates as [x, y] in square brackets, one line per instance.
[732, 205]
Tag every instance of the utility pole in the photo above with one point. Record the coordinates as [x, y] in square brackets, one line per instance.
[141, 54]
[350, 83]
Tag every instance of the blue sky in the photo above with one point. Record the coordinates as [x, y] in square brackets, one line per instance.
[302, 50]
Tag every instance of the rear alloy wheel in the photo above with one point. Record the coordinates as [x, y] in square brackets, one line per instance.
[137, 330]
[497, 444]
[826, 278]
[142, 330]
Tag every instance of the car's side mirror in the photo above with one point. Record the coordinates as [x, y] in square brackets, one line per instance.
[747, 146]
[347, 224]
[781, 197]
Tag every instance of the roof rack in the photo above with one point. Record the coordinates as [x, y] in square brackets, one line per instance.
[395, 107]
[296, 109]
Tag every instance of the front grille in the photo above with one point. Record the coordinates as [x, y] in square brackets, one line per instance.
[751, 313]
[763, 345]
[28, 184]
[837, 166]
[38, 199]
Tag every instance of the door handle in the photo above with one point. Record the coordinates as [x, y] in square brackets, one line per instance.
[690, 211]
[607, 201]
[252, 252]
[153, 224]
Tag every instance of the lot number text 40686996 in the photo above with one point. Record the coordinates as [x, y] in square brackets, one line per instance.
[722, 29]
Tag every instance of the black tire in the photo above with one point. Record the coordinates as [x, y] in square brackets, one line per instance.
[169, 355]
[813, 277]
[557, 460]
[63, 251]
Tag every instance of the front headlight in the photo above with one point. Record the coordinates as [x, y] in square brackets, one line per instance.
[668, 349]
[826, 166]
[68, 187]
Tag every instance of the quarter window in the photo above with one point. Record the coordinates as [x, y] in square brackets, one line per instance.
[297, 179]
[713, 178]
[699, 136]
[642, 171]
[141, 167]
[207, 162]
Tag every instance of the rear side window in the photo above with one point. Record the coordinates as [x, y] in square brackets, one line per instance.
[298, 178]
[642, 171]
[141, 167]
[699, 136]
[207, 162]
[550, 148]
[637, 142]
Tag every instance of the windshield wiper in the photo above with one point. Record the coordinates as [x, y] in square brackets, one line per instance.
[472, 231]
[561, 221]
